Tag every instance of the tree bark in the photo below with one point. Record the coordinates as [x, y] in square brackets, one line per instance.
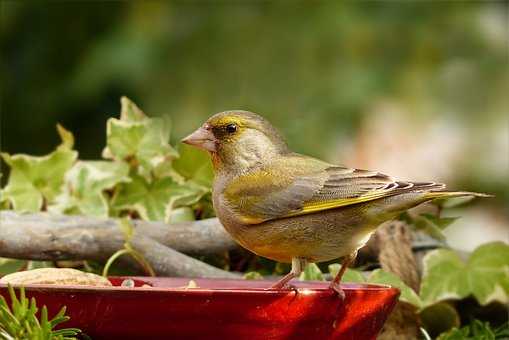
[56, 237]
[43, 236]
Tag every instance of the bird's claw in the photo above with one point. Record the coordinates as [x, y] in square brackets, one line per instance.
[286, 286]
[337, 288]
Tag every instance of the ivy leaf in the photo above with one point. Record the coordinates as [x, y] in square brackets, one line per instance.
[66, 137]
[182, 214]
[440, 222]
[4, 203]
[433, 225]
[186, 194]
[8, 266]
[351, 275]
[85, 186]
[138, 140]
[311, 273]
[378, 276]
[485, 275]
[439, 317]
[149, 200]
[153, 200]
[408, 295]
[452, 202]
[35, 179]
[194, 165]
[253, 276]
[129, 111]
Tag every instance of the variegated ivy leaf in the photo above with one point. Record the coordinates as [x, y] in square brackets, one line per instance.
[311, 273]
[351, 275]
[408, 295]
[379, 276]
[194, 165]
[138, 140]
[485, 275]
[253, 276]
[4, 203]
[34, 180]
[153, 200]
[130, 112]
[85, 184]
[182, 214]
[433, 225]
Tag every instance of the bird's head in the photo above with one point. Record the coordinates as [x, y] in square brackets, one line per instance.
[238, 140]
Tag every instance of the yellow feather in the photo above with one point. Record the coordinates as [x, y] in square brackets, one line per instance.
[445, 194]
[332, 204]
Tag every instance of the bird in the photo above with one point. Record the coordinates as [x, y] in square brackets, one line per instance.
[294, 208]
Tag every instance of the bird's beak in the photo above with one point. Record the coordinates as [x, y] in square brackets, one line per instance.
[203, 139]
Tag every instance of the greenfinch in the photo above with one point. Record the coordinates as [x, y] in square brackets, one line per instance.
[294, 208]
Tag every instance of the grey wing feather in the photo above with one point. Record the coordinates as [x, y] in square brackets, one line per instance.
[331, 183]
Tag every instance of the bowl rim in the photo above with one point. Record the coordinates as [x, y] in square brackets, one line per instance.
[305, 287]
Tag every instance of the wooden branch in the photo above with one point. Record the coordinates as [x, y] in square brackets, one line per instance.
[43, 236]
[56, 237]
[168, 262]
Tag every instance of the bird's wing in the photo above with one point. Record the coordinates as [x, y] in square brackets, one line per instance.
[297, 185]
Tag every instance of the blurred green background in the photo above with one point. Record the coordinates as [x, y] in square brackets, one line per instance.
[418, 89]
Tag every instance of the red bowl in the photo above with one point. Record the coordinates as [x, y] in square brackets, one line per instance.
[218, 309]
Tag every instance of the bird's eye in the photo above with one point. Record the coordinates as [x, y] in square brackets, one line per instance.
[231, 128]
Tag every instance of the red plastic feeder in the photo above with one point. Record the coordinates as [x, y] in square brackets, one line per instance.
[218, 309]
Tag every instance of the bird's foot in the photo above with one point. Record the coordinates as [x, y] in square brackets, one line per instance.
[284, 282]
[335, 286]
[283, 286]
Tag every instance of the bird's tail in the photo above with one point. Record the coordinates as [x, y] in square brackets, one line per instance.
[449, 194]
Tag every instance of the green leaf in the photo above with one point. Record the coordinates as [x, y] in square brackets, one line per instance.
[311, 273]
[440, 222]
[150, 200]
[194, 165]
[452, 202]
[154, 200]
[8, 266]
[408, 295]
[129, 111]
[85, 186]
[139, 140]
[485, 275]
[439, 317]
[378, 276]
[433, 225]
[351, 275]
[185, 194]
[4, 202]
[253, 276]
[66, 137]
[428, 225]
[39, 264]
[182, 214]
[34, 180]
[477, 330]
